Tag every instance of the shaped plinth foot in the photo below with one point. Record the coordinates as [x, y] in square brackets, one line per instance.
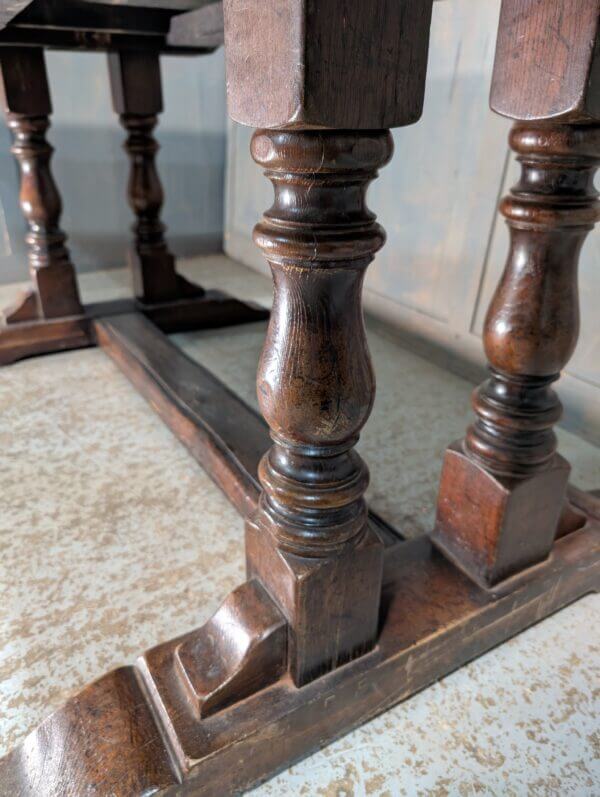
[239, 651]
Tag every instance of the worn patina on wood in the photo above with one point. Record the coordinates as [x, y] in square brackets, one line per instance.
[503, 488]
[335, 623]
[49, 316]
[27, 105]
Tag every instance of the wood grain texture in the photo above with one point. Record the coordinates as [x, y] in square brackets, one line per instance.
[548, 61]
[310, 537]
[533, 320]
[239, 651]
[105, 743]
[315, 381]
[302, 63]
[356, 641]
[502, 491]
[166, 296]
[225, 435]
[579, 384]
[26, 101]
[446, 249]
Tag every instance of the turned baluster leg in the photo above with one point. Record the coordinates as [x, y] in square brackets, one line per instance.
[311, 541]
[137, 98]
[27, 106]
[503, 487]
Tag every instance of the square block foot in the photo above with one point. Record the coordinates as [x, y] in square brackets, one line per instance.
[331, 603]
[493, 526]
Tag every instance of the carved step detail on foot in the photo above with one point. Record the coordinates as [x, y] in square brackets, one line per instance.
[587, 502]
[238, 652]
[103, 741]
[24, 308]
[134, 732]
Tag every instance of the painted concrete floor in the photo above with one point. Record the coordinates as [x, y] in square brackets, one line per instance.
[113, 539]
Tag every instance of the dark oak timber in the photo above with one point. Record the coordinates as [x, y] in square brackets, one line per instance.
[503, 488]
[31, 338]
[310, 536]
[554, 77]
[321, 64]
[49, 317]
[26, 100]
[310, 542]
[148, 738]
[186, 28]
[339, 619]
[46, 336]
[225, 436]
[137, 98]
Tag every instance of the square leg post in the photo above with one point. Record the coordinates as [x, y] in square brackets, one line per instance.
[26, 98]
[503, 488]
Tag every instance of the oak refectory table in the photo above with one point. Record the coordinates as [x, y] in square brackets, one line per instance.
[340, 617]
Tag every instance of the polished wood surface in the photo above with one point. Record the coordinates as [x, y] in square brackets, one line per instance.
[502, 489]
[126, 755]
[310, 538]
[119, 740]
[315, 388]
[223, 434]
[27, 105]
[508, 463]
[336, 622]
[137, 98]
[555, 75]
[303, 64]
[212, 309]
[49, 317]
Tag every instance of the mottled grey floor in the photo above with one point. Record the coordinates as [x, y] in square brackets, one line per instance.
[113, 539]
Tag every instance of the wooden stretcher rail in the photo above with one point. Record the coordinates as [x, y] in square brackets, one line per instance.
[46, 336]
[224, 434]
[136, 732]
[338, 619]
